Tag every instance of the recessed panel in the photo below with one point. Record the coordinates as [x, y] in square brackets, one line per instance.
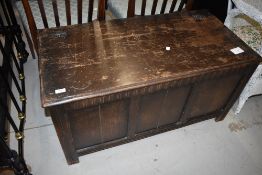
[85, 127]
[211, 95]
[114, 120]
[172, 105]
[150, 110]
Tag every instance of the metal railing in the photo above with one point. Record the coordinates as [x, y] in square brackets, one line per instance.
[14, 55]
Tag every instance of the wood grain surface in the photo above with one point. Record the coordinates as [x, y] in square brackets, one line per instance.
[100, 58]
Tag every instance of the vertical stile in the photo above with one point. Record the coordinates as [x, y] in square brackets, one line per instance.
[106, 4]
[189, 4]
[42, 11]
[55, 9]
[68, 12]
[90, 10]
[143, 8]
[181, 5]
[79, 11]
[173, 6]
[131, 8]
[163, 8]
[153, 11]
[31, 21]
[101, 10]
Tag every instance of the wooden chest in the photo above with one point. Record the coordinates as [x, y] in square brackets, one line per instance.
[108, 83]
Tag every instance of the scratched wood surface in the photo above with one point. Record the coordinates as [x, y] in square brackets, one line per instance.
[100, 58]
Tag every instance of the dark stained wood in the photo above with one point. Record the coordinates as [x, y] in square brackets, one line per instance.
[173, 6]
[181, 5]
[218, 8]
[86, 120]
[217, 95]
[31, 22]
[122, 84]
[42, 11]
[241, 85]
[100, 75]
[106, 4]
[114, 120]
[68, 12]
[149, 111]
[163, 7]
[153, 11]
[133, 113]
[172, 105]
[131, 8]
[90, 10]
[64, 134]
[101, 15]
[143, 8]
[190, 4]
[55, 9]
[79, 11]
[1, 20]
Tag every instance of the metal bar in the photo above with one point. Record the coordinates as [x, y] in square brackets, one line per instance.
[15, 61]
[19, 43]
[22, 121]
[8, 47]
[8, 116]
[10, 68]
[5, 13]
[13, 36]
[1, 21]
[10, 91]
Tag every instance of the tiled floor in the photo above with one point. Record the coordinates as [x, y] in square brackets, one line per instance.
[233, 146]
